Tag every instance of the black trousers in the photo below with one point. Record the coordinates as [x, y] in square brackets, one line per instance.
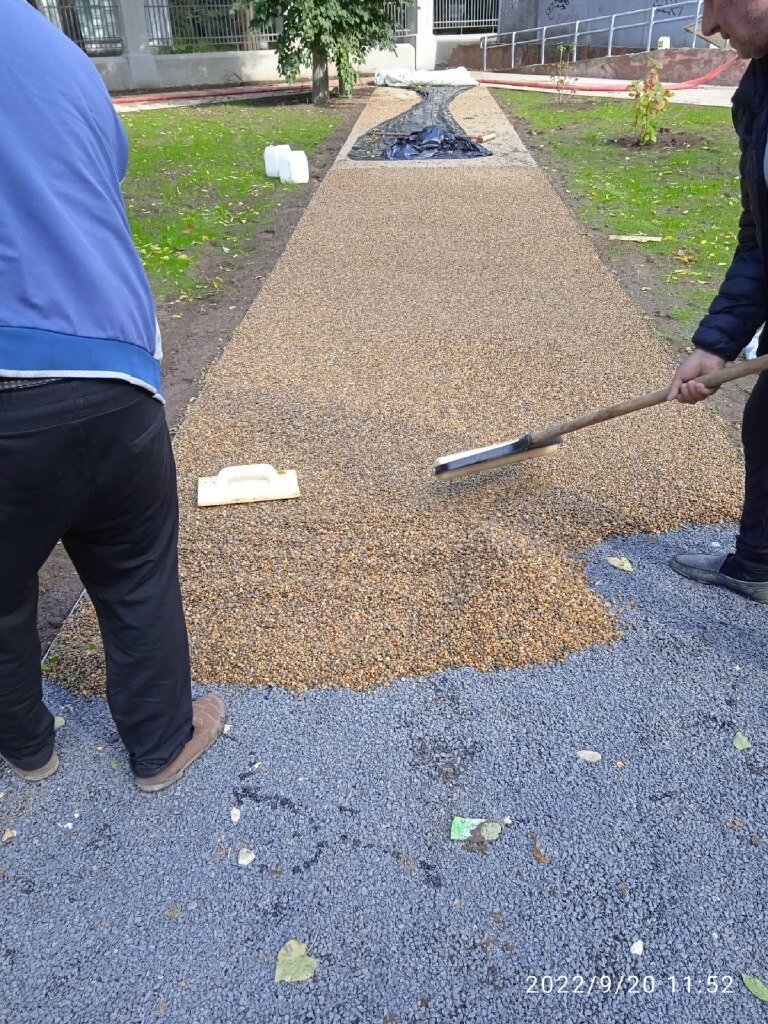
[89, 462]
[752, 543]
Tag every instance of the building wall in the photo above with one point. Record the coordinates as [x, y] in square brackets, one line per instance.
[517, 14]
[189, 70]
[522, 14]
[557, 12]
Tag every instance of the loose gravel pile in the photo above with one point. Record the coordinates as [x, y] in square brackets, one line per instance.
[415, 313]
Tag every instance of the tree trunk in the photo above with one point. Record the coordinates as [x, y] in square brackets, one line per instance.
[320, 89]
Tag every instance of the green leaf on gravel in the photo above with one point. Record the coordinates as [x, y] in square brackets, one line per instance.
[741, 742]
[462, 828]
[115, 763]
[756, 987]
[621, 563]
[491, 830]
[293, 964]
[478, 830]
[58, 723]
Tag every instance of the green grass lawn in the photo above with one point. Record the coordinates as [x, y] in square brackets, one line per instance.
[196, 186]
[688, 194]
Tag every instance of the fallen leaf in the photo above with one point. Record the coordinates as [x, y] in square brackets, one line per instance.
[9, 835]
[115, 763]
[475, 830]
[227, 728]
[58, 723]
[621, 563]
[162, 1006]
[619, 764]
[462, 828]
[234, 815]
[491, 830]
[756, 987]
[741, 742]
[590, 756]
[246, 857]
[293, 964]
[636, 949]
[540, 856]
[172, 913]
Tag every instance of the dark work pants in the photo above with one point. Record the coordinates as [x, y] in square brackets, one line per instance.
[89, 462]
[752, 543]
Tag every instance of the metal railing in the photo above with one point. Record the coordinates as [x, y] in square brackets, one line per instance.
[93, 24]
[636, 30]
[403, 15]
[466, 16]
[204, 26]
[196, 26]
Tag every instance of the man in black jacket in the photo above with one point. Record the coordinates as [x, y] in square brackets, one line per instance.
[741, 306]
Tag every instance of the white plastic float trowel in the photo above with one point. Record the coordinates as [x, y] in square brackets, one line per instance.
[242, 485]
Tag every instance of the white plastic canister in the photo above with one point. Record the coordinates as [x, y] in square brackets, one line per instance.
[272, 156]
[294, 168]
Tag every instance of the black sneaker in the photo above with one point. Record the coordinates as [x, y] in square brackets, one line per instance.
[708, 569]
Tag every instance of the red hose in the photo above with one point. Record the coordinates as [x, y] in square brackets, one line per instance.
[675, 86]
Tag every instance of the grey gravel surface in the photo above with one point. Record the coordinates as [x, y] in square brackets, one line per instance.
[118, 907]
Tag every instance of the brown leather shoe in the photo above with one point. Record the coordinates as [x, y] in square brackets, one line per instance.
[34, 774]
[209, 716]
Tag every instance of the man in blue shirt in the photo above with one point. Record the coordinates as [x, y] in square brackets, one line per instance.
[741, 307]
[85, 454]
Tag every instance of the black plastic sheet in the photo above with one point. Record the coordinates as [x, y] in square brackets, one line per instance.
[434, 142]
[431, 113]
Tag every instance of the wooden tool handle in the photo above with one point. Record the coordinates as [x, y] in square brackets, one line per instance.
[711, 380]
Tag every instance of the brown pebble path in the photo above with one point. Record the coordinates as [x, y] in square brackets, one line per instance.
[418, 311]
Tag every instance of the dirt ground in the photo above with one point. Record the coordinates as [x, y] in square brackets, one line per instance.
[195, 333]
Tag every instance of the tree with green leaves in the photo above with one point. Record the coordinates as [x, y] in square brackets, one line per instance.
[315, 33]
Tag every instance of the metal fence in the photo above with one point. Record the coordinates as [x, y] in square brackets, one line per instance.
[403, 17]
[93, 24]
[465, 16]
[198, 26]
[636, 30]
[204, 26]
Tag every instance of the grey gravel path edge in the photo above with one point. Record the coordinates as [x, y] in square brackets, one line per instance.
[124, 908]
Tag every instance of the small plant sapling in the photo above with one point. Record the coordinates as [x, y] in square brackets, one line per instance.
[651, 99]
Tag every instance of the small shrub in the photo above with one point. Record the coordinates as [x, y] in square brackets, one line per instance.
[562, 79]
[651, 99]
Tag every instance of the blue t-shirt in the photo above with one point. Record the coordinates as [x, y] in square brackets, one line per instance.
[74, 297]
